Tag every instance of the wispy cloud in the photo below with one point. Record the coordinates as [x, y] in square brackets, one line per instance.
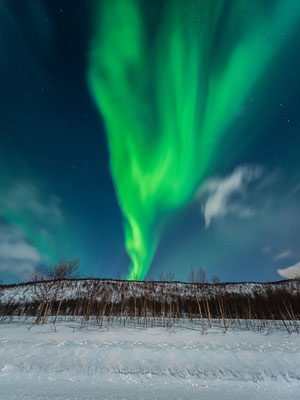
[17, 257]
[217, 194]
[283, 255]
[35, 220]
[25, 196]
[290, 272]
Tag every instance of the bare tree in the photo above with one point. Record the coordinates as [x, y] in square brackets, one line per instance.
[192, 275]
[170, 276]
[201, 275]
[215, 279]
[65, 269]
[118, 276]
[162, 277]
[37, 275]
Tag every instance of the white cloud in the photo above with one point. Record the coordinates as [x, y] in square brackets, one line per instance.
[25, 196]
[31, 212]
[28, 207]
[18, 250]
[283, 255]
[218, 194]
[266, 249]
[17, 257]
[290, 272]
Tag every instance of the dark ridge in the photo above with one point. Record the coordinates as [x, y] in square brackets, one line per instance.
[11, 285]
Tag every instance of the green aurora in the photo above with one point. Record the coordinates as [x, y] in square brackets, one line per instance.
[169, 78]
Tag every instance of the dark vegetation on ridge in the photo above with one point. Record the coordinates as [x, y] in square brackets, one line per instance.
[151, 303]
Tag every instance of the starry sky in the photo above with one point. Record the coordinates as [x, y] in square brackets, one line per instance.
[143, 138]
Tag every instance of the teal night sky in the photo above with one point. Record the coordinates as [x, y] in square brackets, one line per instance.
[145, 137]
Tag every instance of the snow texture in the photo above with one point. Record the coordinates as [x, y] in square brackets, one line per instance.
[70, 362]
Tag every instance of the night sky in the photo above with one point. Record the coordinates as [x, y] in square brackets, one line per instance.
[143, 137]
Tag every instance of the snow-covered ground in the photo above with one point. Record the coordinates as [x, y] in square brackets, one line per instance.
[126, 363]
[113, 290]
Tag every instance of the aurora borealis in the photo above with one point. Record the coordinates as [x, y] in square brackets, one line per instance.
[169, 93]
[170, 126]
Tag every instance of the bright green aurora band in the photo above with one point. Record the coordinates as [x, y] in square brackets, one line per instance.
[168, 78]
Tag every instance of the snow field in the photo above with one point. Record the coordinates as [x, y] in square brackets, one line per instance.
[62, 363]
